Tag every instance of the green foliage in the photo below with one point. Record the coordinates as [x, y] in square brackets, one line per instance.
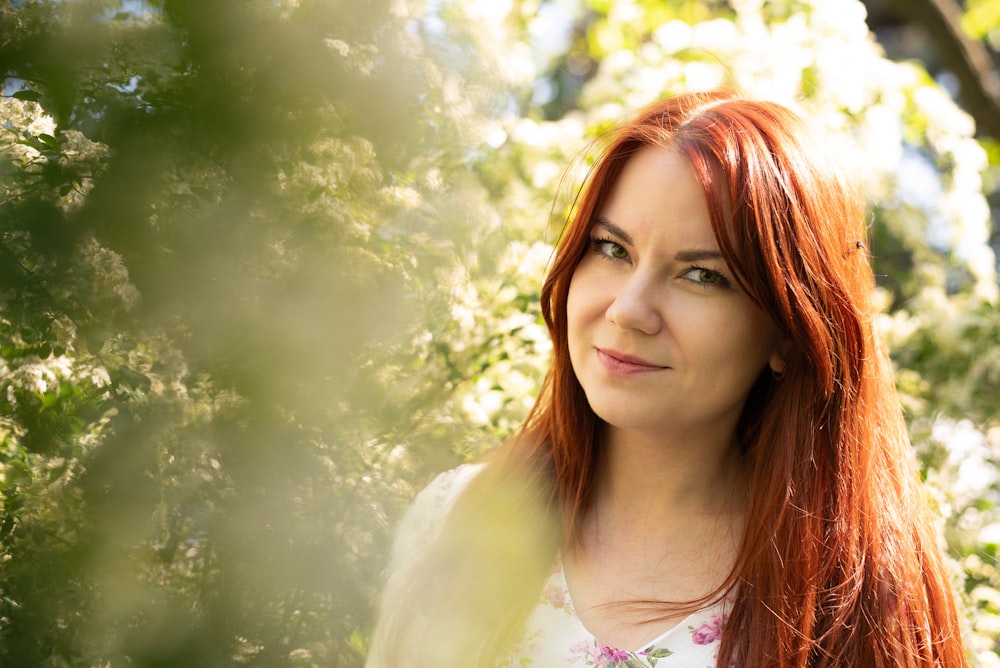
[212, 231]
[265, 267]
[982, 20]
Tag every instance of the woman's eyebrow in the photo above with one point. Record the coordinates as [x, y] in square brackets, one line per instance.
[697, 255]
[601, 221]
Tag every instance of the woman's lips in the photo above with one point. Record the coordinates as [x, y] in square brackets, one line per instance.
[623, 365]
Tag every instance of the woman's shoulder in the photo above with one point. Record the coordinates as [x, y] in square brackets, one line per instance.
[424, 518]
[442, 491]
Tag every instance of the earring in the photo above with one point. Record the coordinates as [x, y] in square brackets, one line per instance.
[777, 374]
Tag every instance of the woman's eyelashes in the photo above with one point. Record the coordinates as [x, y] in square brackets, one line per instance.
[609, 249]
[705, 277]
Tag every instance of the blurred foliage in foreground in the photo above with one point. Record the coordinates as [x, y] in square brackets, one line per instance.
[265, 266]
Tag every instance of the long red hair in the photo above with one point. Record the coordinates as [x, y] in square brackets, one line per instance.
[839, 563]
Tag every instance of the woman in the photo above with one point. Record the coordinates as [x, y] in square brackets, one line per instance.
[716, 472]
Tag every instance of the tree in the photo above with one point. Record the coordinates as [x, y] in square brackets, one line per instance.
[956, 44]
[219, 226]
[269, 266]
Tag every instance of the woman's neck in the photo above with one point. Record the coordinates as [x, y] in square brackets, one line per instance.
[664, 525]
[647, 482]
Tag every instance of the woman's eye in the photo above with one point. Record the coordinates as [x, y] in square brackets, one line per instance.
[610, 249]
[706, 277]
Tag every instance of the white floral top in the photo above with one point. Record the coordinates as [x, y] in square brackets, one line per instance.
[553, 634]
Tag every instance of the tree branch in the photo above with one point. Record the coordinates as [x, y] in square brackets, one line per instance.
[968, 59]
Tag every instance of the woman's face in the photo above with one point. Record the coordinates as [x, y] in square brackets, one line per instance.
[661, 337]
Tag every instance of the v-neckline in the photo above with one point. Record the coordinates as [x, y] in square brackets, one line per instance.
[659, 640]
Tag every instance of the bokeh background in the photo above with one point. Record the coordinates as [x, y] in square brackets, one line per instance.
[266, 266]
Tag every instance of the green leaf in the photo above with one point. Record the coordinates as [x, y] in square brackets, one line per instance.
[658, 654]
[7, 526]
[27, 95]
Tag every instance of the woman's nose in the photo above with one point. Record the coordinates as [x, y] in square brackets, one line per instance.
[634, 307]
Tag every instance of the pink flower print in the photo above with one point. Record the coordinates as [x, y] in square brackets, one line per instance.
[588, 650]
[611, 654]
[582, 648]
[596, 653]
[555, 596]
[708, 632]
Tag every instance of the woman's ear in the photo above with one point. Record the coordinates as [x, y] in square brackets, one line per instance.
[779, 358]
[777, 365]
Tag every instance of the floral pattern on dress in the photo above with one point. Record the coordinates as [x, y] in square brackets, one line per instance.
[595, 653]
[555, 596]
[553, 635]
[708, 632]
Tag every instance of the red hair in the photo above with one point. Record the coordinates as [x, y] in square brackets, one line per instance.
[839, 563]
